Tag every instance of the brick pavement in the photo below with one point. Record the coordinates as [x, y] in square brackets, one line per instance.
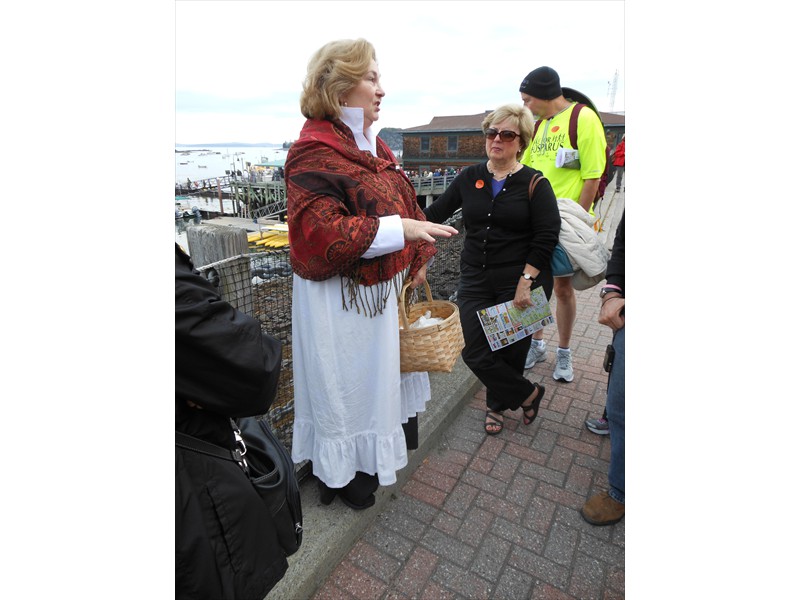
[497, 517]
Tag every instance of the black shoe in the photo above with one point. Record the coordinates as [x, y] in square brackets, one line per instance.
[370, 501]
[326, 494]
[360, 492]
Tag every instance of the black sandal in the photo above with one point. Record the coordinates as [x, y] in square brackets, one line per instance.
[492, 421]
[533, 406]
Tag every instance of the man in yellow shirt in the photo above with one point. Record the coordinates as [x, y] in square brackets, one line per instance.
[541, 92]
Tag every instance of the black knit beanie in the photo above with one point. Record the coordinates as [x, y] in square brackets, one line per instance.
[542, 83]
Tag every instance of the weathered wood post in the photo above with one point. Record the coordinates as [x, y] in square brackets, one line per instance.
[210, 244]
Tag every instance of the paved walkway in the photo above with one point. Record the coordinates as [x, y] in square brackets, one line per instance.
[497, 517]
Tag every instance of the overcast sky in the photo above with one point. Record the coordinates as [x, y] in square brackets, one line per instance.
[239, 66]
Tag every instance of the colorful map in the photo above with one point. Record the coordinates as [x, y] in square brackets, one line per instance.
[503, 324]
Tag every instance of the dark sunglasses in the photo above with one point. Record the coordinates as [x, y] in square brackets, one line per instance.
[506, 136]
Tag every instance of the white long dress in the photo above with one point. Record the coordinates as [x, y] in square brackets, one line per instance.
[349, 395]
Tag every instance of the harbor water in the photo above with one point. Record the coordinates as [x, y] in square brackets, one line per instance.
[205, 162]
[208, 162]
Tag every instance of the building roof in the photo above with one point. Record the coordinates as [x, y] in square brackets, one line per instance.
[452, 123]
[612, 118]
[473, 123]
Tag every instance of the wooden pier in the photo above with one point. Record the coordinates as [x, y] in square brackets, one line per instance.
[267, 199]
[209, 185]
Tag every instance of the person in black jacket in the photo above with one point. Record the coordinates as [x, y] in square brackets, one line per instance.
[508, 247]
[225, 541]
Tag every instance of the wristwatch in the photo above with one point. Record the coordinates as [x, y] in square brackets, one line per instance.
[608, 290]
[528, 276]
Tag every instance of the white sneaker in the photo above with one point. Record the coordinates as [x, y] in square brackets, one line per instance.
[537, 353]
[563, 371]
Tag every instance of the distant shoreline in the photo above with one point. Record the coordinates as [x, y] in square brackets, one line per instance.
[230, 145]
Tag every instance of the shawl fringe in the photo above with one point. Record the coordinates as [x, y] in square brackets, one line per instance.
[370, 299]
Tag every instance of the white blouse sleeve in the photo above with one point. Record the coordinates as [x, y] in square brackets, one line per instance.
[389, 239]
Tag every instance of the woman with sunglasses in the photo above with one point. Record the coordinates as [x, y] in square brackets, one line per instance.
[508, 244]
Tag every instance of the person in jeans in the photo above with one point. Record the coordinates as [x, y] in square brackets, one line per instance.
[608, 507]
[598, 426]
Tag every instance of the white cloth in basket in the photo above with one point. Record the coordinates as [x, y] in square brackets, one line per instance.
[350, 397]
[425, 321]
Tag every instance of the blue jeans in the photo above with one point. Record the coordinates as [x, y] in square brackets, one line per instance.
[615, 405]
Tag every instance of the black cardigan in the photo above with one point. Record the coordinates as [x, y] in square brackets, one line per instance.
[509, 229]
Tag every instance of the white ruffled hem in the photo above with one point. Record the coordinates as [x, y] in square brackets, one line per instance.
[335, 462]
[415, 391]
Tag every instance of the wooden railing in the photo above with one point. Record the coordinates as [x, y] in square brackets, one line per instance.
[268, 198]
[203, 186]
[432, 185]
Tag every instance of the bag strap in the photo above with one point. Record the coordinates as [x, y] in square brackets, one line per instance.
[536, 128]
[573, 125]
[189, 442]
[537, 177]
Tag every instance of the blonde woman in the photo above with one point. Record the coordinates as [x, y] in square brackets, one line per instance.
[356, 232]
[507, 250]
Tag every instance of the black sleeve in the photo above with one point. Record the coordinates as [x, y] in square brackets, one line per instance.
[223, 361]
[615, 272]
[446, 204]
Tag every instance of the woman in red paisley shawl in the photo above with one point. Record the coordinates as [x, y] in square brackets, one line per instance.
[356, 233]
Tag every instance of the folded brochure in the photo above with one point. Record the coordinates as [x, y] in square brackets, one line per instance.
[503, 324]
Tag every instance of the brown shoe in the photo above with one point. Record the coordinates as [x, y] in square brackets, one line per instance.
[602, 509]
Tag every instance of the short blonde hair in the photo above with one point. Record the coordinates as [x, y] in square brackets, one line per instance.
[334, 70]
[520, 115]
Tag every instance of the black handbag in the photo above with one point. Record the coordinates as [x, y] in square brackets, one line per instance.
[269, 467]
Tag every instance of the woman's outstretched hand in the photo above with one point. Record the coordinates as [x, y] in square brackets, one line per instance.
[414, 230]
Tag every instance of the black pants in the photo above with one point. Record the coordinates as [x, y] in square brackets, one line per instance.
[500, 371]
[411, 431]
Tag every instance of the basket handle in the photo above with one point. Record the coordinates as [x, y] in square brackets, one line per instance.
[403, 310]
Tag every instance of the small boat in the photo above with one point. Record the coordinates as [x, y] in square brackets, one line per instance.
[181, 213]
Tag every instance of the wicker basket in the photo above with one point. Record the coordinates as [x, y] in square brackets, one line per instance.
[433, 348]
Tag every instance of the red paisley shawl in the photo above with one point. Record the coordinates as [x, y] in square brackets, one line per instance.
[335, 194]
